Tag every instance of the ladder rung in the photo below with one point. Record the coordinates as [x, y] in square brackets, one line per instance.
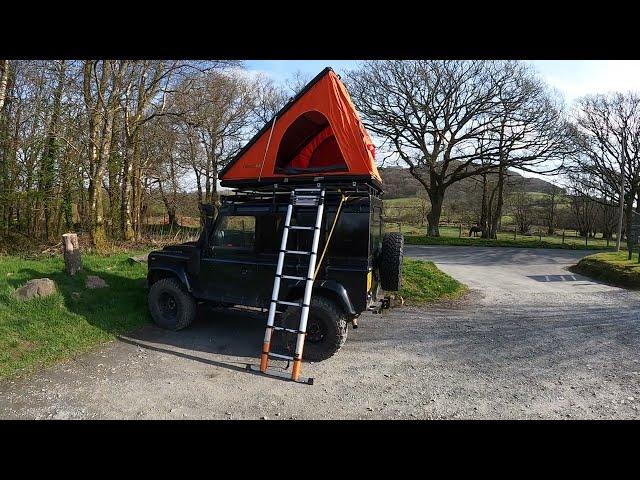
[283, 329]
[300, 227]
[297, 252]
[293, 277]
[277, 355]
[284, 302]
[306, 201]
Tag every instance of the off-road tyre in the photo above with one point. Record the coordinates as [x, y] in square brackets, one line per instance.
[326, 330]
[390, 265]
[171, 306]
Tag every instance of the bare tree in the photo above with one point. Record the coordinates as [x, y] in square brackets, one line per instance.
[608, 139]
[160, 147]
[530, 134]
[522, 209]
[450, 120]
[549, 206]
[218, 112]
[269, 98]
[297, 81]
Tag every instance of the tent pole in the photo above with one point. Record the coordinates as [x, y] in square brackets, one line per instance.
[273, 124]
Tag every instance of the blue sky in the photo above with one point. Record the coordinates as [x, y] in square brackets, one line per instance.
[573, 78]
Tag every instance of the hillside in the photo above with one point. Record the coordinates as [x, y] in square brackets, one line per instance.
[399, 183]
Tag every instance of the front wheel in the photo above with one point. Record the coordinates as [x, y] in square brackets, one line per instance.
[326, 330]
[170, 305]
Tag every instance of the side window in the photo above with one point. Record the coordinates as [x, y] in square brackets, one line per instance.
[236, 232]
[269, 233]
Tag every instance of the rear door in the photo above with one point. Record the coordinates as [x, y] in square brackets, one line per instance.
[269, 229]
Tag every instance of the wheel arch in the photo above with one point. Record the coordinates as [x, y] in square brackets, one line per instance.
[159, 273]
[329, 289]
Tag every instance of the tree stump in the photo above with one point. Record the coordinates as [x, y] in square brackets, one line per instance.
[71, 248]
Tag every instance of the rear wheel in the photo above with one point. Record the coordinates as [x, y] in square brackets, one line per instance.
[326, 330]
[171, 306]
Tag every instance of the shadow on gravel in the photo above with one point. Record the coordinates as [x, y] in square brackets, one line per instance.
[215, 331]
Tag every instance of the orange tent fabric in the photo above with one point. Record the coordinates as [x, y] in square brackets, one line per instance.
[318, 133]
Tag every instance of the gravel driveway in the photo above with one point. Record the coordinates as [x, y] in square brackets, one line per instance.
[531, 340]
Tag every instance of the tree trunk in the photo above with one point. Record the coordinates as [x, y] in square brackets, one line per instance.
[483, 207]
[49, 157]
[628, 212]
[114, 168]
[136, 213]
[98, 230]
[125, 192]
[4, 81]
[497, 213]
[72, 258]
[433, 217]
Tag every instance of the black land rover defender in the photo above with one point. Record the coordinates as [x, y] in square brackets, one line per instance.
[234, 261]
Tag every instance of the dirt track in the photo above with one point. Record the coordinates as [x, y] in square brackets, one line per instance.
[530, 341]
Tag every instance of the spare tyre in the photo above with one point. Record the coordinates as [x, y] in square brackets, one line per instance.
[390, 265]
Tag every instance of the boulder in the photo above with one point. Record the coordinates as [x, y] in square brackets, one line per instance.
[93, 281]
[38, 287]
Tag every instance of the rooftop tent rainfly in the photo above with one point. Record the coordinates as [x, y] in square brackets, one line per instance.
[317, 134]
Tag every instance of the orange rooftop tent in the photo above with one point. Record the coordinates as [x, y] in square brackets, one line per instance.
[316, 137]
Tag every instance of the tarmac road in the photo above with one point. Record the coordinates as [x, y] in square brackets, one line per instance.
[531, 340]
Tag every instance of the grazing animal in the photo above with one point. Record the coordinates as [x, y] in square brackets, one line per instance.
[476, 229]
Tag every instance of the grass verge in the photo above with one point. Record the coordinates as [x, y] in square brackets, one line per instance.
[423, 282]
[528, 242]
[611, 267]
[41, 331]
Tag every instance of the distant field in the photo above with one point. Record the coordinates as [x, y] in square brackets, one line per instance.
[452, 235]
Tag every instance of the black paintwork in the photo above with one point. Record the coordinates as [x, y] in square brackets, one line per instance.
[245, 276]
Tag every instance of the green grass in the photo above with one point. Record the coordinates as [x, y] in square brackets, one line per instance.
[41, 331]
[504, 241]
[611, 267]
[423, 282]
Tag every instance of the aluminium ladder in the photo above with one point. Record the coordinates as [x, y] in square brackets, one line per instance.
[299, 197]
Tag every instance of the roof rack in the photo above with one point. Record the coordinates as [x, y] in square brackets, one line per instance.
[277, 191]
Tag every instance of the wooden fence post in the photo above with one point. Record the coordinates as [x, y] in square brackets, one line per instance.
[71, 249]
[563, 237]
